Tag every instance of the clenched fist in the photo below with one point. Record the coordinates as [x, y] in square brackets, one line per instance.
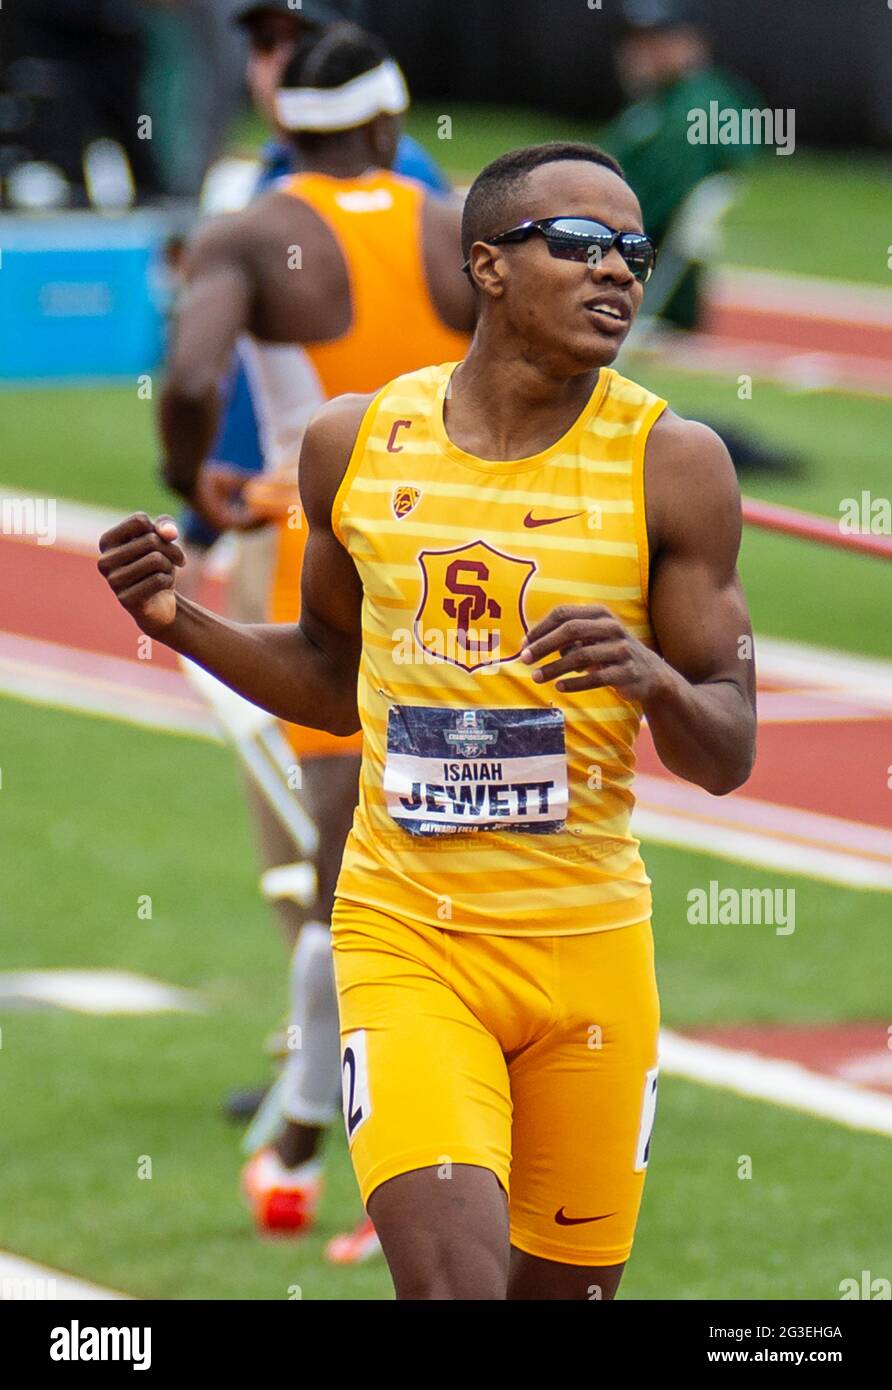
[138, 559]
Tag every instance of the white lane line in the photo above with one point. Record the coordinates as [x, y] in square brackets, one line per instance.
[802, 296]
[778, 1082]
[787, 367]
[77, 527]
[850, 685]
[23, 1279]
[749, 813]
[815, 707]
[751, 831]
[136, 692]
[742, 847]
[826, 671]
[739, 828]
[868, 1069]
[96, 992]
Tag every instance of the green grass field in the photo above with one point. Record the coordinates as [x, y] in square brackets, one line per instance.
[95, 814]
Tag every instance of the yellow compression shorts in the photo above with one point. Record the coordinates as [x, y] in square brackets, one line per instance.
[534, 1057]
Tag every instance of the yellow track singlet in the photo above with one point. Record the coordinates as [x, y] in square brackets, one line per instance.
[489, 803]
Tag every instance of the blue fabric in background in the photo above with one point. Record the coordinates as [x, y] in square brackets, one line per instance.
[414, 162]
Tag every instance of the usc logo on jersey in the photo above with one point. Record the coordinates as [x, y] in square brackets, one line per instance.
[471, 611]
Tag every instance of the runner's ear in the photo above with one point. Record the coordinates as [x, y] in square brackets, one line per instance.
[487, 267]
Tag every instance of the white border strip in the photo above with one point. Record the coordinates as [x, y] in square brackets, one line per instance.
[739, 812]
[748, 847]
[826, 670]
[778, 1082]
[78, 526]
[100, 992]
[802, 296]
[22, 1280]
[114, 687]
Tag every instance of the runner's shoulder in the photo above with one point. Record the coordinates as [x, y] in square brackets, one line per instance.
[327, 447]
[274, 216]
[340, 418]
[690, 481]
[214, 242]
[693, 452]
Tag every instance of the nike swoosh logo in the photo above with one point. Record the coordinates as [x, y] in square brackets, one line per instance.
[530, 520]
[563, 1220]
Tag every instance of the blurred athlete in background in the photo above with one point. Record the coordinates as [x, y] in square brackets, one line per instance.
[275, 29]
[335, 280]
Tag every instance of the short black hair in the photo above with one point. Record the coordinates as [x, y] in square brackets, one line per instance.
[334, 55]
[493, 194]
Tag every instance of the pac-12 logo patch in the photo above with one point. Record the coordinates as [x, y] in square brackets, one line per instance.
[471, 611]
[404, 500]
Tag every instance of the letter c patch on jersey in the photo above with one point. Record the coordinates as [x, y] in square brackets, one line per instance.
[392, 446]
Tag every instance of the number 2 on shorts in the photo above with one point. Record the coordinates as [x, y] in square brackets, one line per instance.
[648, 1113]
[355, 1081]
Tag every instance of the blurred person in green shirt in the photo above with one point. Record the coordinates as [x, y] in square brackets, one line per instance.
[666, 67]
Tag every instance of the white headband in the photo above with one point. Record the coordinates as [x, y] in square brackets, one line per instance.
[341, 108]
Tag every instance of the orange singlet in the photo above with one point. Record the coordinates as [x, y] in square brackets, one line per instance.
[376, 220]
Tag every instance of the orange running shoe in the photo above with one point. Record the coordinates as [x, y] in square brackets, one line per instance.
[283, 1200]
[354, 1247]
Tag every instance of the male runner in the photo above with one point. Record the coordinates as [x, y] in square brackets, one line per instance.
[509, 561]
[309, 278]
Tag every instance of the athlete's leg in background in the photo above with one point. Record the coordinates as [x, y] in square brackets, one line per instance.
[312, 1070]
[275, 847]
[283, 1179]
[328, 793]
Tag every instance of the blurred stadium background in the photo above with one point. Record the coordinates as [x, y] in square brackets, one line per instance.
[791, 351]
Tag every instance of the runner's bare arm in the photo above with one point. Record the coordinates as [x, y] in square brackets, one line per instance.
[213, 309]
[452, 292]
[305, 673]
[698, 688]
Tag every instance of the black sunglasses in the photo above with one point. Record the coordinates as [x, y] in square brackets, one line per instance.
[584, 239]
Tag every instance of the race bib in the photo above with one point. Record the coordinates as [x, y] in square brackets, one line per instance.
[452, 771]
